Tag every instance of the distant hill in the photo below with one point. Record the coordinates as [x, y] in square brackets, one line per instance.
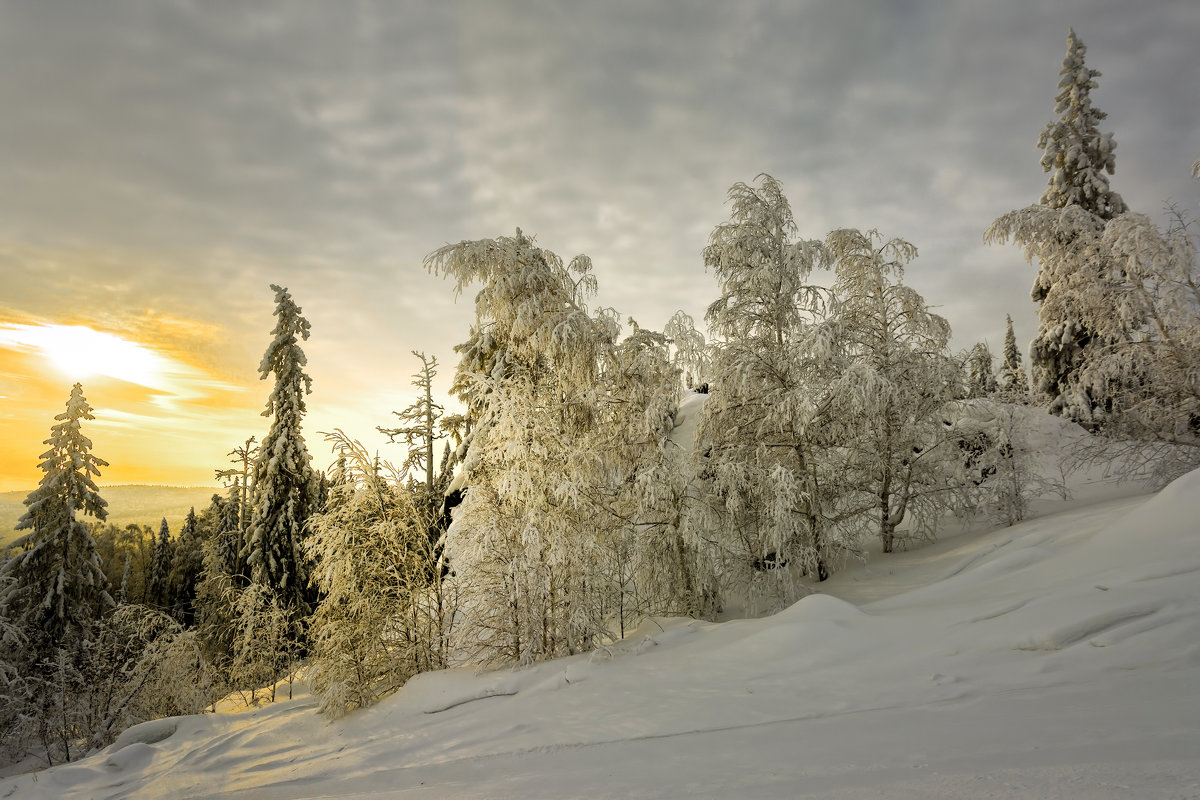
[144, 505]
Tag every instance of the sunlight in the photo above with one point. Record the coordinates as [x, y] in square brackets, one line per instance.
[78, 352]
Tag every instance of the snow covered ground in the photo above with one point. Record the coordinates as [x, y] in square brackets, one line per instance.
[1057, 658]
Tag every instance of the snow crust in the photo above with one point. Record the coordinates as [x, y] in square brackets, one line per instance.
[1056, 658]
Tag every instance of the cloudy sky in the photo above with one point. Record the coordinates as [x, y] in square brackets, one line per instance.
[162, 163]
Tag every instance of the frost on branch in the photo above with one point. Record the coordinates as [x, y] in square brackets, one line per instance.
[765, 484]
[689, 351]
[285, 485]
[1078, 157]
[1061, 233]
[886, 408]
[552, 541]
[55, 588]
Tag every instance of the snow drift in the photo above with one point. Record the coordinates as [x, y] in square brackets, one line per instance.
[1055, 658]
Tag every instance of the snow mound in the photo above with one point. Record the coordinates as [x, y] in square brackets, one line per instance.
[150, 732]
[1168, 515]
[819, 607]
[133, 756]
[1056, 658]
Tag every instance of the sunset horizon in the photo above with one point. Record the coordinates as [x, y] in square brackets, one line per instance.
[169, 164]
[161, 418]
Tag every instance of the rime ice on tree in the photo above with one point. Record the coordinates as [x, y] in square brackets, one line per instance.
[57, 590]
[285, 486]
[1062, 232]
[1078, 157]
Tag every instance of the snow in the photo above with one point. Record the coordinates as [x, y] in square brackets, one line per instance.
[1056, 658]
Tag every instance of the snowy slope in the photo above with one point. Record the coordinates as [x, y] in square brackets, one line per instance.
[1057, 658]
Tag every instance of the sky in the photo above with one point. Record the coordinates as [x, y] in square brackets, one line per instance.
[162, 164]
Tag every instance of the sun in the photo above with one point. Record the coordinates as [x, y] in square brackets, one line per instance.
[79, 352]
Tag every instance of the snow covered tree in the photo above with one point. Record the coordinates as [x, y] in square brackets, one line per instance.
[1149, 318]
[771, 370]
[1062, 233]
[886, 408]
[53, 593]
[143, 665]
[160, 568]
[1015, 481]
[14, 688]
[981, 376]
[422, 418]
[123, 592]
[285, 485]
[218, 583]
[387, 608]
[689, 351]
[240, 482]
[551, 542]
[633, 482]
[53, 589]
[422, 425]
[514, 543]
[1133, 287]
[266, 637]
[1077, 155]
[1012, 381]
[187, 564]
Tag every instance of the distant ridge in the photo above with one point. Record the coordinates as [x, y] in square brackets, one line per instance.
[127, 504]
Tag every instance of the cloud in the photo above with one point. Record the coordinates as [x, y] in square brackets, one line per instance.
[172, 160]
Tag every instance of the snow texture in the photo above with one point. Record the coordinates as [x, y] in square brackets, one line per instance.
[1054, 658]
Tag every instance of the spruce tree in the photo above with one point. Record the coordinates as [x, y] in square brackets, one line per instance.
[285, 485]
[1063, 233]
[981, 378]
[187, 563]
[54, 590]
[1012, 377]
[160, 567]
[1077, 155]
[1079, 159]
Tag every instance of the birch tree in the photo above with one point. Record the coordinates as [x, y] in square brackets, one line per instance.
[388, 609]
[888, 401]
[771, 358]
[515, 540]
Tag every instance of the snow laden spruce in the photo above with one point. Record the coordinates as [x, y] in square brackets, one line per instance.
[285, 485]
[77, 668]
[1118, 298]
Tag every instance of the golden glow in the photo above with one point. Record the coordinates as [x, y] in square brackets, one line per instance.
[159, 418]
[79, 352]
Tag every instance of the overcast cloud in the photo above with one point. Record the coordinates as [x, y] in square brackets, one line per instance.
[175, 158]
